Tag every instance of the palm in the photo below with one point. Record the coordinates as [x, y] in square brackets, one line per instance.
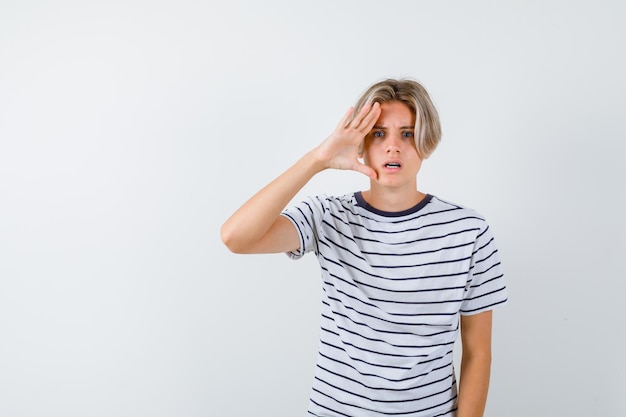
[341, 149]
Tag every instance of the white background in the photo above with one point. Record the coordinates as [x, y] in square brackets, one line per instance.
[130, 130]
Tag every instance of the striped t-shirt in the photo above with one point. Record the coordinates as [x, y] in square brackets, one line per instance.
[394, 285]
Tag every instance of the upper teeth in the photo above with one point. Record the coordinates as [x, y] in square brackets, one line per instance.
[392, 164]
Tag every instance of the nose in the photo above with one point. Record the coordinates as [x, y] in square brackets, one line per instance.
[393, 143]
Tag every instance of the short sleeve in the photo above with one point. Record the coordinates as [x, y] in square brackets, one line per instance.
[485, 287]
[306, 217]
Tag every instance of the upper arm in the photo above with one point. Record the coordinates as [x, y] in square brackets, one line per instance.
[282, 236]
[476, 333]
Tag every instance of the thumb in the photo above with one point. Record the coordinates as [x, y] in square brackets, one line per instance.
[364, 169]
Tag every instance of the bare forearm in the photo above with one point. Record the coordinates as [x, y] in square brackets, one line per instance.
[253, 219]
[474, 385]
[257, 226]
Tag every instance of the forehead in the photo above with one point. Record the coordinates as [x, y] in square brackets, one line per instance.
[395, 113]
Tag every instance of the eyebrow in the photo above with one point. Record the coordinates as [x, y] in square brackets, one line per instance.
[401, 127]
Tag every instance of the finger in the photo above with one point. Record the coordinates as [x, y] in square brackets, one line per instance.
[364, 169]
[358, 118]
[370, 119]
[346, 118]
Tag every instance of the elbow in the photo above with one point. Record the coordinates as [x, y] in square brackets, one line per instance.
[236, 240]
[229, 239]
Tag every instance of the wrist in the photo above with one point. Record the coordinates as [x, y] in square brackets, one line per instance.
[316, 160]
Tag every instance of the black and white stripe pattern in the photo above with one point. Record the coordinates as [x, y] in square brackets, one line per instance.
[394, 287]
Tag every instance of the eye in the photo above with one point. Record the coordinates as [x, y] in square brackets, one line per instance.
[378, 134]
[407, 135]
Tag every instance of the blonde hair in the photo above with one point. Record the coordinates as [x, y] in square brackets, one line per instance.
[415, 96]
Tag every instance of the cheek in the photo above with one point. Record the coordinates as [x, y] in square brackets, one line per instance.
[418, 165]
[409, 143]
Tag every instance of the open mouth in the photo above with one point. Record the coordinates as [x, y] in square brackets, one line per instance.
[392, 165]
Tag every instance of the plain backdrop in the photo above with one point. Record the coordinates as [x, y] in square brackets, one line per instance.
[130, 130]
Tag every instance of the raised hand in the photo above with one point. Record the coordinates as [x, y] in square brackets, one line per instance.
[341, 149]
[258, 227]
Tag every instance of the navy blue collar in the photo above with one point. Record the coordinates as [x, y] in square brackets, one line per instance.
[361, 202]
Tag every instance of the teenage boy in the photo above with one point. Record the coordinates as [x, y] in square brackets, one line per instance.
[403, 271]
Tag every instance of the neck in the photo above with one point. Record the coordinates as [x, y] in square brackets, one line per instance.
[392, 200]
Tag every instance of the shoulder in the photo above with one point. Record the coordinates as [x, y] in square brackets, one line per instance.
[457, 212]
[322, 205]
[450, 205]
[331, 202]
